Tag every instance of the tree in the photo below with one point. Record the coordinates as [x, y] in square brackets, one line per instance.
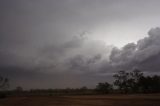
[128, 81]
[4, 83]
[104, 87]
[156, 83]
[133, 81]
[149, 84]
[121, 81]
[136, 74]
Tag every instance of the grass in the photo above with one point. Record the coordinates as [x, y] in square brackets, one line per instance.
[94, 100]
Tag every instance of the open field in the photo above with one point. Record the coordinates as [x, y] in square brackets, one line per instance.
[108, 100]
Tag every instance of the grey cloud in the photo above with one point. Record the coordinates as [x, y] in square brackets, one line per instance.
[40, 38]
[144, 54]
[83, 64]
[78, 58]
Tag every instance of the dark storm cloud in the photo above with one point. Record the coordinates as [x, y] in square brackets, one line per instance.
[143, 55]
[82, 63]
[49, 43]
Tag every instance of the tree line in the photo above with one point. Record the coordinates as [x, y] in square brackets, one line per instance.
[124, 82]
[131, 82]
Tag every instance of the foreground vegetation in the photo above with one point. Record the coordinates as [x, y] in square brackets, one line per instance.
[94, 100]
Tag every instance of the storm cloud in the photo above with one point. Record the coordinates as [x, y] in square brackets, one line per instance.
[74, 43]
[144, 54]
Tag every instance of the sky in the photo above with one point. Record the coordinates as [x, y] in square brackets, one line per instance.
[75, 43]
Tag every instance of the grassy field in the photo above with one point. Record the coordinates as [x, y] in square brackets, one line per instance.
[108, 100]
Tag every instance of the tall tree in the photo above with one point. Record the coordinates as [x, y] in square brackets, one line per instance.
[133, 82]
[4, 83]
[104, 87]
[121, 81]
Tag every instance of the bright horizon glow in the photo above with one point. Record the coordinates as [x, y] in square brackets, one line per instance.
[120, 34]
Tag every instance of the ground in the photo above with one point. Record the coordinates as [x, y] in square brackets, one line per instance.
[94, 100]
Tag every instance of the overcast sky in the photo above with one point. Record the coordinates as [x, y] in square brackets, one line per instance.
[74, 43]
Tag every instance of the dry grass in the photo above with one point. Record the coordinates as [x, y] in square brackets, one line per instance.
[108, 100]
